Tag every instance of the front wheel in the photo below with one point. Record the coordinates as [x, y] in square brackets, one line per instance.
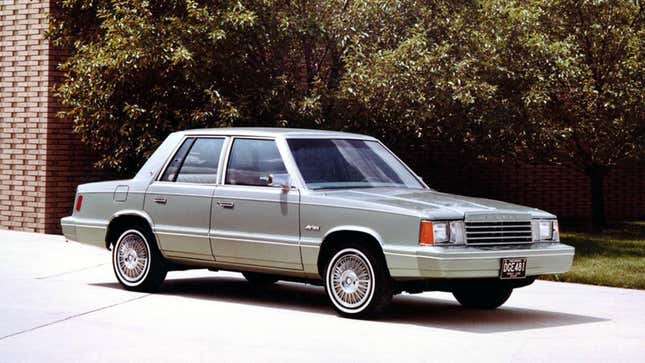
[482, 295]
[137, 264]
[357, 282]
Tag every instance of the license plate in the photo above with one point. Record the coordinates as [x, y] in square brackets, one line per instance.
[513, 268]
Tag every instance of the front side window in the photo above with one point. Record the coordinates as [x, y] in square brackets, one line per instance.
[344, 163]
[202, 161]
[252, 161]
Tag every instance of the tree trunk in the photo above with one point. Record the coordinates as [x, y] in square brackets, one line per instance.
[597, 180]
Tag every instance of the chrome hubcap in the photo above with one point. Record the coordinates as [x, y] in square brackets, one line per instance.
[351, 280]
[132, 257]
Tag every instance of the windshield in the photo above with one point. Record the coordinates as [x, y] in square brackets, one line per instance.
[344, 163]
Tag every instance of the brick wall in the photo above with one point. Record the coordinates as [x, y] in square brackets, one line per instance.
[562, 191]
[41, 161]
[24, 58]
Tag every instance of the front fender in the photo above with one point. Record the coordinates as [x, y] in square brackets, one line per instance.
[353, 228]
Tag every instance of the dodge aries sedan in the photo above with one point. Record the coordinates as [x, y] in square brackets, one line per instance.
[329, 208]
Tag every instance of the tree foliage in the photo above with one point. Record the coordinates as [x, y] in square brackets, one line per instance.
[549, 81]
[142, 69]
[576, 66]
[556, 81]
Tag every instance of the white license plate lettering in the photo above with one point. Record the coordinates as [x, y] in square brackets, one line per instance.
[513, 268]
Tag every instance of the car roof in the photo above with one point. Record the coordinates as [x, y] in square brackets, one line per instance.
[275, 131]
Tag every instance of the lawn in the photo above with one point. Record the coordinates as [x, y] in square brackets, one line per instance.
[614, 257]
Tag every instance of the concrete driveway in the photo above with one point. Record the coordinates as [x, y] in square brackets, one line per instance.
[59, 302]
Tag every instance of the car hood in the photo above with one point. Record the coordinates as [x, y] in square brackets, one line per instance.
[433, 204]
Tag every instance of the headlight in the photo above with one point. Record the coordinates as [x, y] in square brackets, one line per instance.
[441, 232]
[546, 230]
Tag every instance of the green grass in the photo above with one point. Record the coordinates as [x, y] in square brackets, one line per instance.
[611, 258]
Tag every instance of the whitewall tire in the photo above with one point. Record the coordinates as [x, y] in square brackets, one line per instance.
[357, 282]
[137, 263]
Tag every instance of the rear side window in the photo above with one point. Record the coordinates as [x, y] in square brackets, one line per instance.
[202, 161]
[196, 161]
[171, 170]
[252, 161]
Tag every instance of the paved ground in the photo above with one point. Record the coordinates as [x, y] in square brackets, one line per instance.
[59, 302]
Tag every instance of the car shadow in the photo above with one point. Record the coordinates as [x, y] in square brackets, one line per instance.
[405, 309]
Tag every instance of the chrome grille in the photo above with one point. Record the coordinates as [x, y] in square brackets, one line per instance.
[506, 232]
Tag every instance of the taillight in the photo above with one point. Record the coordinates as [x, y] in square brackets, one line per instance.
[426, 234]
[79, 203]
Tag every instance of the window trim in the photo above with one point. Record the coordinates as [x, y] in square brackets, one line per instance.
[275, 140]
[225, 147]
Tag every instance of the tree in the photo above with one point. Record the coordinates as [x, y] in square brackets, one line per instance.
[548, 81]
[575, 75]
[141, 69]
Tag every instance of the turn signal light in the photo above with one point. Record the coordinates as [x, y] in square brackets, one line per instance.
[79, 203]
[426, 234]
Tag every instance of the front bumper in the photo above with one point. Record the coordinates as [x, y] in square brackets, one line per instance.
[475, 261]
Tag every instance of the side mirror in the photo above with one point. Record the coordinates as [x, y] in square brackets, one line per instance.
[279, 180]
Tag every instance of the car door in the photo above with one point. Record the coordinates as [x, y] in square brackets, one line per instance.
[179, 203]
[252, 223]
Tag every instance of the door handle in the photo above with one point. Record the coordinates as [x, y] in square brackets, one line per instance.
[228, 205]
[160, 200]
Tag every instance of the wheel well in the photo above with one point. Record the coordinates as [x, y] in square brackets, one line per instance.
[338, 237]
[119, 225]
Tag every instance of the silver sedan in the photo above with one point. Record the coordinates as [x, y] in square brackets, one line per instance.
[321, 207]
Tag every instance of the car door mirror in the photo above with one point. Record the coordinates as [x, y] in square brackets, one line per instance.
[279, 180]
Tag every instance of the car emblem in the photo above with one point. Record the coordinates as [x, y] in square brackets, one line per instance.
[311, 227]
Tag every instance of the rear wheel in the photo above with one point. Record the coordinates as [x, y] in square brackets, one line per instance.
[357, 282]
[137, 263]
[259, 279]
[482, 295]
